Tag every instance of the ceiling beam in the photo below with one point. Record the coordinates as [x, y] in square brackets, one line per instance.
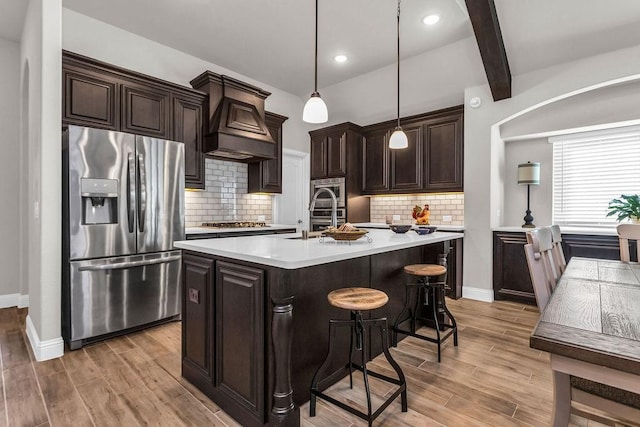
[486, 27]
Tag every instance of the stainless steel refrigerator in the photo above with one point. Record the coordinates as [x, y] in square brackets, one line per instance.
[123, 207]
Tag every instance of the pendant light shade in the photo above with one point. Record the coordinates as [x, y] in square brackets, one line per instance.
[315, 110]
[398, 138]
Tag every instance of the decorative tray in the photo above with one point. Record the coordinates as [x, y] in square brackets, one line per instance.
[345, 235]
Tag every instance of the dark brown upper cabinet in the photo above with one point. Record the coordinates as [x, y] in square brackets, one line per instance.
[100, 95]
[406, 172]
[266, 176]
[188, 128]
[336, 152]
[443, 151]
[375, 161]
[433, 161]
[329, 153]
[146, 110]
[90, 99]
[319, 157]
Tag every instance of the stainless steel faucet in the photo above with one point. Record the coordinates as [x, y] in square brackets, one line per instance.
[334, 205]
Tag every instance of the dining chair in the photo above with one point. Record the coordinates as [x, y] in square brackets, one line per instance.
[628, 232]
[559, 260]
[541, 288]
[541, 241]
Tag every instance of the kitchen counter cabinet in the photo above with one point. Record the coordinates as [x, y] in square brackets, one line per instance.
[511, 279]
[266, 176]
[268, 303]
[198, 233]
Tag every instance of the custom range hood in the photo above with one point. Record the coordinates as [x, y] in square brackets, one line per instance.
[236, 129]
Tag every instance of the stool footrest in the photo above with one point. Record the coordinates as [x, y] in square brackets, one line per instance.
[377, 375]
[356, 412]
[425, 338]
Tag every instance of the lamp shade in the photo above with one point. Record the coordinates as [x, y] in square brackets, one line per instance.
[529, 173]
[398, 139]
[315, 110]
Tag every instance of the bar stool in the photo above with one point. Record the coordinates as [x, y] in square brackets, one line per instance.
[433, 295]
[356, 300]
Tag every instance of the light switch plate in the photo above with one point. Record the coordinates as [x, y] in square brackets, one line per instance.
[396, 217]
[261, 217]
[446, 218]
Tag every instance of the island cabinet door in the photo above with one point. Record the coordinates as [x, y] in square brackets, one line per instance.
[240, 335]
[197, 327]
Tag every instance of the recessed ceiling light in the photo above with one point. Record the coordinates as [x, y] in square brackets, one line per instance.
[431, 19]
[340, 58]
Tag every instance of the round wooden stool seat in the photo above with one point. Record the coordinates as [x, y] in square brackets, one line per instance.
[357, 298]
[429, 270]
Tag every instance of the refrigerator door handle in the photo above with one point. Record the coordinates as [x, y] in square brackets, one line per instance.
[130, 264]
[142, 193]
[131, 192]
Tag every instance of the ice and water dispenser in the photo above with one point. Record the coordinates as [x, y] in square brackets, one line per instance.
[99, 201]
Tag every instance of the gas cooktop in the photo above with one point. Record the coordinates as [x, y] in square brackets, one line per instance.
[235, 224]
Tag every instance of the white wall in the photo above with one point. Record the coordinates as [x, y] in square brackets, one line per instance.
[41, 65]
[515, 196]
[95, 39]
[427, 82]
[485, 172]
[9, 172]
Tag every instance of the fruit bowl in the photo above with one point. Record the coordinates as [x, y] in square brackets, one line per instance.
[422, 230]
[400, 228]
[351, 235]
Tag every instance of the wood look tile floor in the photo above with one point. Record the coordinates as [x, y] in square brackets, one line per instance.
[492, 379]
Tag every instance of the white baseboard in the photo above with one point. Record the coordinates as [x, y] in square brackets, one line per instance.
[9, 300]
[14, 300]
[23, 301]
[478, 294]
[43, 350]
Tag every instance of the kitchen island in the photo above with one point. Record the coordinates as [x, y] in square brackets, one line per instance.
[256, 317]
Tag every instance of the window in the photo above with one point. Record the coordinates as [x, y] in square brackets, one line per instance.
[590, 169]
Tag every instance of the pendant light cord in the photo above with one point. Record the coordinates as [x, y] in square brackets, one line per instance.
[315, 88]
[398, 60]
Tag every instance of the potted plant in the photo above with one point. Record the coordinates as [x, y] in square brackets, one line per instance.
[625, 207]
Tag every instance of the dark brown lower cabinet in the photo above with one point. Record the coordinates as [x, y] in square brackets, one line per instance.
[197, 302]
[239, 325]
[223, 340]
[511, 280]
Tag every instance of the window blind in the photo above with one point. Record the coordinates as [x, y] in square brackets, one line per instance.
[590, 169]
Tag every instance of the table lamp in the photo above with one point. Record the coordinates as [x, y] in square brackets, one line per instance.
[529, 174]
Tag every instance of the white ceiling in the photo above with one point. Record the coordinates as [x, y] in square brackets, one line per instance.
[272, 40]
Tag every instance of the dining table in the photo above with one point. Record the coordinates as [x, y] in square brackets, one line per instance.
[591, 329]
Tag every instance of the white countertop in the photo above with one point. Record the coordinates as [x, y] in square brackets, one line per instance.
[208, 230]
[281, 251]
[563, 230]
[381, 225]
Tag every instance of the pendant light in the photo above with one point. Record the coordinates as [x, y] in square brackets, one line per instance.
[398, 137]
[315, 110]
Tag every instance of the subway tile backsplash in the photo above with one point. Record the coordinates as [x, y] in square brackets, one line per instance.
[440, 205]
[225, 197]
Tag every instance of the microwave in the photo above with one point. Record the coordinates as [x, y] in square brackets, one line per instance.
[336, 185]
